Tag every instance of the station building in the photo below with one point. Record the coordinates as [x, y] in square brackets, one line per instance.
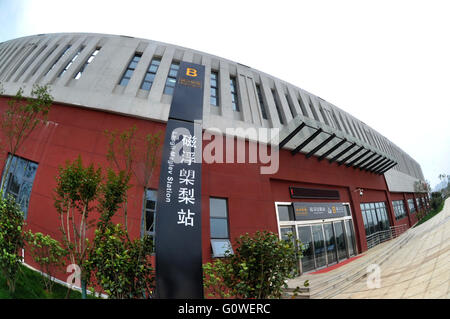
[340, 187]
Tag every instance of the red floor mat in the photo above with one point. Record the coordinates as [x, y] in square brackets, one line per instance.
[336, 266]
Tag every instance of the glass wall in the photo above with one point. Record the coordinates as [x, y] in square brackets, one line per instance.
[324, 243]
[305, 236]
[412, 207]
[375, 217]
[350, 235]
[340, 240]
[330, 242]
[319, 246]
[399, 209]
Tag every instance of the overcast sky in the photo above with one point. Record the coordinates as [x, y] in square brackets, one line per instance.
[385, 62]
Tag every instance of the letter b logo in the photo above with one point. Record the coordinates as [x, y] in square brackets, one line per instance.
[191, 72]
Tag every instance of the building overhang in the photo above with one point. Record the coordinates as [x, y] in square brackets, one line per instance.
[314, 139]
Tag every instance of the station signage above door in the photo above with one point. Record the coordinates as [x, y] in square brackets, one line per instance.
[311, 211]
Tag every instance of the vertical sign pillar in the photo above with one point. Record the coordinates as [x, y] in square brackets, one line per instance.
[178, 229]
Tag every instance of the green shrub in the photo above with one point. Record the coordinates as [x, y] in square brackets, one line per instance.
[48, 254]
[436, 200]
[11, 240]
[122, 266]
[259, 268]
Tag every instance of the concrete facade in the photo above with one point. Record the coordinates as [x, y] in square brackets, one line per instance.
[87, 105]
[27, 60]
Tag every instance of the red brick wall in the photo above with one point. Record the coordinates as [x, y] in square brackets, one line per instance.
[74, 131]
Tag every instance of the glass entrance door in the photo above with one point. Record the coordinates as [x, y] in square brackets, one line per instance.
[288, 233]
[319, 246]
[330, 243]
[325, 242]
[340, 240]
[305, 237]
[350, 237]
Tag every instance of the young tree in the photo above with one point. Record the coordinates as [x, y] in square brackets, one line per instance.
[120, 265]
[77, 190]
[446, 190]
[22, 117]
[124, 155]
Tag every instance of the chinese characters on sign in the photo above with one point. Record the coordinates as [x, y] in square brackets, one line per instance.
[307, 211]
[178, 243]
[186, 194]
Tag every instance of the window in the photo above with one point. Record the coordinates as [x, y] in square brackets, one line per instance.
[375, 217]
[71, 61]
[277, 106]
[214, 82]
[285, 213]
[412, 208]
[291, 107]
[325, 118]
[350, 127]
[130, 69]
[399, 209]
[172, 78]
[261, 102]
[88, 61]
[313, 110]
[19, 181]
[151, 73]
[41, 49]
[42, 61]
[234, 95]
[220, 238]
[335, 119]
[59, 58]
[302, 106]
[148, 214]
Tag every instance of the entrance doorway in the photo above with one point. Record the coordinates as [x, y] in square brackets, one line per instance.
[326, 241]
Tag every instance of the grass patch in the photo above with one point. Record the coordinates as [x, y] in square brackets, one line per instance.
[431, 214]
[29, 286]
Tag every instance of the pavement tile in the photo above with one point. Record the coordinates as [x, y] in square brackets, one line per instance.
[421, 279]
[419, 269]
[400, 286]
[436, 292]
[418, 296]
[434, 282]
[413, 291]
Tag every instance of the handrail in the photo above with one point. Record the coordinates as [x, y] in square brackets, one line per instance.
[385, 235]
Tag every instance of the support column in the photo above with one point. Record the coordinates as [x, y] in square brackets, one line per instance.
[391, 209]
[360, 231]
[405, 202]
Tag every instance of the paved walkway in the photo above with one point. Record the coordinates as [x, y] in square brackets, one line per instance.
[419, 269]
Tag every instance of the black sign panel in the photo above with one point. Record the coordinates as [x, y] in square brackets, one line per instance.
[309, 211]
[178, 213]
[300, 192]
[187, 100]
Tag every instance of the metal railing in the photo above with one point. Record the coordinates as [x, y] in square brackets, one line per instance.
[385, 235]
